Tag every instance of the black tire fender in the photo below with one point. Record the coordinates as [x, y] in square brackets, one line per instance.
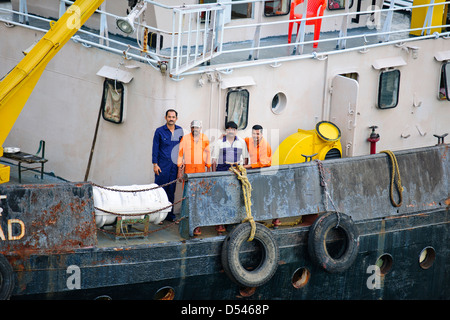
[317, 247]
[7, 280]
[230, 256]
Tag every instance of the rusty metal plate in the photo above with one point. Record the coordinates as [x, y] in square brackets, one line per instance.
[358, 186]
[46, 218]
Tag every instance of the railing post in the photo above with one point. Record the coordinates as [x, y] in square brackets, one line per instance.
[301, 33]
[428, 19]
[388, 21]
[174, 13]
[62, 7]
[180, 35]
[254, 54]
[23, 9]
[103, 24]
[342, 43]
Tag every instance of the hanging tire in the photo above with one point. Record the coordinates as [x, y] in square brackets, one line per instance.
[232, 264]
[7, 281]
[342, 257]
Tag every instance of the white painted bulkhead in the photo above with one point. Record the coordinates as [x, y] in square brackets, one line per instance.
[64, 106]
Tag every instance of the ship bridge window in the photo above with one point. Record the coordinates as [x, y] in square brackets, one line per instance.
[388, 89]
[338, 4]
[444, 87]
[237, 11]
[113, 101]
[237, 107]
[276, 8]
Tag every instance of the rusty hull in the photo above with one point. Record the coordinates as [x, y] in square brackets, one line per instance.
[359, 187]
[38, 219]
[48, 229]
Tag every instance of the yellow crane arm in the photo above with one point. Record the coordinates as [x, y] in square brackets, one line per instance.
[17, 86]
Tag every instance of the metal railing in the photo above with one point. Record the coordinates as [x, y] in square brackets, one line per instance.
[198, 32]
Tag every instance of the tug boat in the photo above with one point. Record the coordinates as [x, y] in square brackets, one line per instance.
[331, 218]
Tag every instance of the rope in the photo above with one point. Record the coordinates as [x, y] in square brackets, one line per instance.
[241, 174]
[395, 171]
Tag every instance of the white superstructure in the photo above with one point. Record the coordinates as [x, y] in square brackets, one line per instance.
[368, 70]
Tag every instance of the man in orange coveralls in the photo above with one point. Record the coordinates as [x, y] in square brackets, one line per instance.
[260, 154]
[194, 154]
[258, 149]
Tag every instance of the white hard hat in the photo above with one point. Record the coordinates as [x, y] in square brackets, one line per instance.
[196, 123]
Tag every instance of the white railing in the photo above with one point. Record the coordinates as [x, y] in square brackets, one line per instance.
[203, 41]
[198, 30]
[180, 59]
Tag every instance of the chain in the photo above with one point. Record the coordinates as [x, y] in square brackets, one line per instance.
[323, 184]
[139, 214]
[140, 190]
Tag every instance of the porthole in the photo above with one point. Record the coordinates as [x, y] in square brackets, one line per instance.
[279, 103]
[300, 278]
[165, 293]
[247, 291]
[103, 297]
[427, 257]
[385, 262]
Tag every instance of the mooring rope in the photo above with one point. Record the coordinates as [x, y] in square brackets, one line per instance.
[395, 171]
[241, 174]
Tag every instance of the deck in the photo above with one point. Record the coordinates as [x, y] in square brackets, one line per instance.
[168, 232]
[182, 56]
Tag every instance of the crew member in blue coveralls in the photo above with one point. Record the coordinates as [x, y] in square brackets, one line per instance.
[165, 154]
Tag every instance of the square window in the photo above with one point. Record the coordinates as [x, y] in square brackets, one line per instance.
[241, 10]
[237, 107]
[338, 4]
[276, 8]
[237, 11]
[444, 88]
[112, 101]
[388, 90]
